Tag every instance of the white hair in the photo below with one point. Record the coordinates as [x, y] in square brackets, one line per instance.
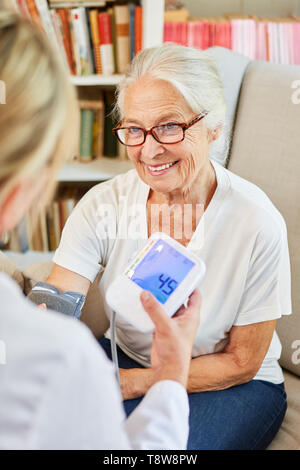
[193, 73]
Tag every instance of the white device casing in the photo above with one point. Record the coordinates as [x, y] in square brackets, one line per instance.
[123, 294]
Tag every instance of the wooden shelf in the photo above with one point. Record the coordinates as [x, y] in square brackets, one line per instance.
[89, 80]
[100, 169]
[77, 3]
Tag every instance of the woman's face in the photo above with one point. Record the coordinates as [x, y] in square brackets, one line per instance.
[149, 103]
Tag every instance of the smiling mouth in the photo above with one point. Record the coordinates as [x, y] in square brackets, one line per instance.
[166, 166]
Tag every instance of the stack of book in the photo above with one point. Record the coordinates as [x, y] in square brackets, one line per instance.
[270, 39]
[44, 233]
[91, 40]
[96, 139]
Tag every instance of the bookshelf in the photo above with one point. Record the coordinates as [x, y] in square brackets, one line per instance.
[96, 80]
[106, 168]
[76, 177]
[97, 170]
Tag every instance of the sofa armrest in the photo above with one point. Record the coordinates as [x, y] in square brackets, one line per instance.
[9, 268]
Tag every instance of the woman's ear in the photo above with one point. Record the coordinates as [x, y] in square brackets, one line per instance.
[214, 134]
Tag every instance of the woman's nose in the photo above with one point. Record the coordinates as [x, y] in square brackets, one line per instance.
[151, 148]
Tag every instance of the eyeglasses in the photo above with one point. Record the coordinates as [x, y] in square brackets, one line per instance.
[170, 133]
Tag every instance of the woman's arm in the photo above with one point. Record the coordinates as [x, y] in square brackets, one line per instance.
[66, 280]
[237, 364]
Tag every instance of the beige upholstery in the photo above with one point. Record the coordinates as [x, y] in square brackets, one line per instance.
[9, 268]
[288, 436]
[265, 150]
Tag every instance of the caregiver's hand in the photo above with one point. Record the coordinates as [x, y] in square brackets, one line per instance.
[173, 338]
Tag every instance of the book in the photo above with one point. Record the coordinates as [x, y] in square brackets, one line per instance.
[93, 14]
[74, 45]
[44, 230]
[33, 11]
[122, 21]
[63, 23]
[59, 35]
[97, 106]
[110, 140]
[111, 13]
[86, 132]
[45, 17]
[132, 29]
[21, 6]
[87, 14]
[296, 42]
[56, 224]
[106, 46]
[138, 25]
[81, 34]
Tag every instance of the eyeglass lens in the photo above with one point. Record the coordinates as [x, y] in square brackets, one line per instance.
[165, 134]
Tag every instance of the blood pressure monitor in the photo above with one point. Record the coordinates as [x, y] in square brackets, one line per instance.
[165, 268]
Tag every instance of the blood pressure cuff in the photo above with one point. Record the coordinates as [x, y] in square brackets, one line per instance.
[69, 303]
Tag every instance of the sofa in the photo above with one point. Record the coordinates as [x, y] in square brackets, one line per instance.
[261, 144]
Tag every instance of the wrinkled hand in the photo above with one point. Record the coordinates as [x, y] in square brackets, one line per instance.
[173, 338]
[134, 383]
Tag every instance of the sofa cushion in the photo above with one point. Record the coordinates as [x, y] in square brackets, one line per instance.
[265, 151]
[288, 436]
[9, 268]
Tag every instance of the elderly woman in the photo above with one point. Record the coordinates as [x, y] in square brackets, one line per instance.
[171, 109]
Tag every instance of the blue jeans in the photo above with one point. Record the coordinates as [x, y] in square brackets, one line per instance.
[244, 417]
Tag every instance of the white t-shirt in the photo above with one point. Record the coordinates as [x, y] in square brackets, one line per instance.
[241, 238]
[58, 389]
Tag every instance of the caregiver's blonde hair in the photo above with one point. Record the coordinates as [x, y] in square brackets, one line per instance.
[38, 122]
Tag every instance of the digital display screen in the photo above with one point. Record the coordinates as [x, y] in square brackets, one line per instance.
[161, 271]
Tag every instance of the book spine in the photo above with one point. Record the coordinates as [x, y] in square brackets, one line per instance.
[96, 39]
[153, 28]
[44, 13]
[63, 21]
[87, 14]
[111, 13]
[86, 134]
[58, 33]
[99, 144]
[106, 46]
[110, 140]
[74, 45]
[31, 6]
[82, 40]
[22, 6]
[138, 20]
[123, 36]
[132, 30]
